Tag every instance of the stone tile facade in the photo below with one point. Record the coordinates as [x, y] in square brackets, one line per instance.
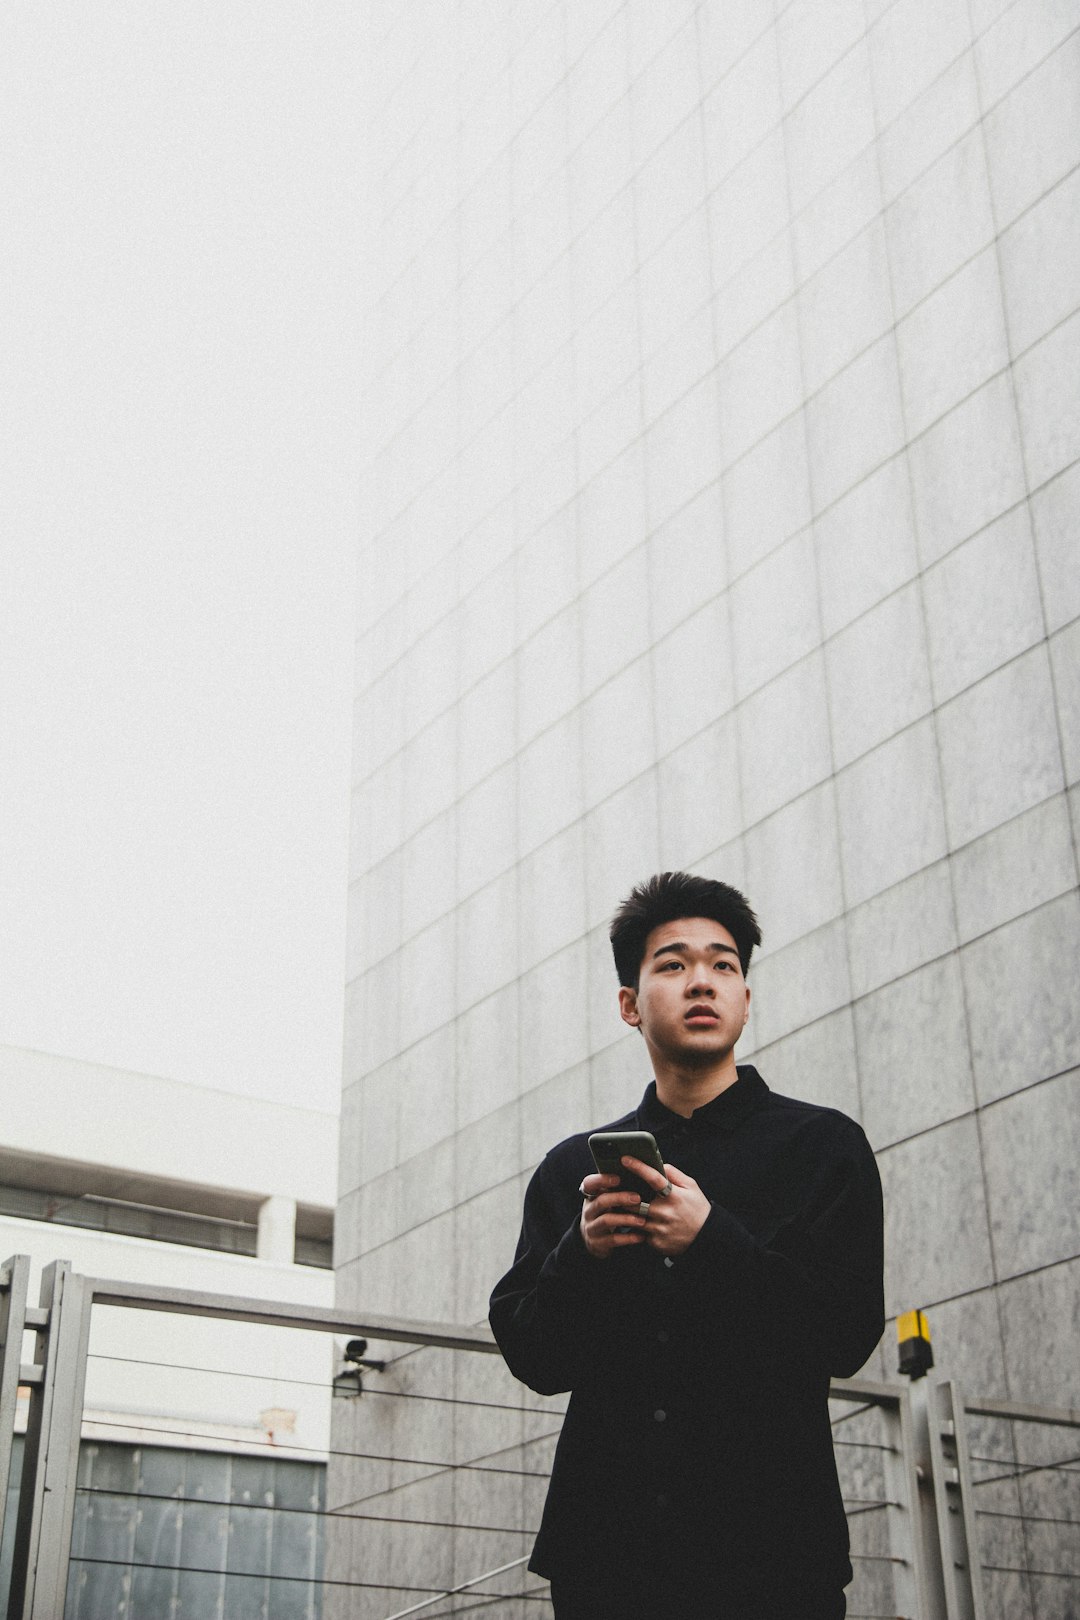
[721, 511]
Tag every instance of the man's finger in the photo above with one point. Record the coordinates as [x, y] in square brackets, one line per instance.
[679, 1178]
[610, 1220]
[613, 1200]
[647, 1172]
[616, 1206]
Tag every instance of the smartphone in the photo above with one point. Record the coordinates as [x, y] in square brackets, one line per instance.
[608, 1148]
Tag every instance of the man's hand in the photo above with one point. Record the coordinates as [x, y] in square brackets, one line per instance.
[604, 1212]
[676, 1215]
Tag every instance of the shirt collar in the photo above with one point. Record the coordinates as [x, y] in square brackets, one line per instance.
[725, 1111]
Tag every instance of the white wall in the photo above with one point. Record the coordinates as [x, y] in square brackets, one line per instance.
[152, 1126]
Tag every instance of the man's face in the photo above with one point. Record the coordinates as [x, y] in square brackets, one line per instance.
[692, 1001]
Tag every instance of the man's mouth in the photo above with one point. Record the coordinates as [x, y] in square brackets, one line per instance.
[701, 1015]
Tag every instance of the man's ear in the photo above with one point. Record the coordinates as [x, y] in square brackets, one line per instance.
[628, 1007]
[746, 1014]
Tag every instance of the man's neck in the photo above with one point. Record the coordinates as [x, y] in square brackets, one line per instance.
[683, 1090]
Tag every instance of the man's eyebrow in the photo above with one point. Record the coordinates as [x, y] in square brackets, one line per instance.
[681, 946]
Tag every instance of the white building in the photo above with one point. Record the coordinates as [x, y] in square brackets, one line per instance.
[204, 1440]
[151, 1180]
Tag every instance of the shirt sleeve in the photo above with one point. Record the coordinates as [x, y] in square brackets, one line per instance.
[543, 1310]
[811, 1284]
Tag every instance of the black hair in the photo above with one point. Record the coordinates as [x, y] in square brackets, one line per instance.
[667, 897]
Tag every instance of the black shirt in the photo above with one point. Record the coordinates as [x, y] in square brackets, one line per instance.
[696, 1453]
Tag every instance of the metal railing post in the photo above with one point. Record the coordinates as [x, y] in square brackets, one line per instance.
[910, 1515]
[50, 1464]
[14, 1284]
[955, 1503]
[921, 1454]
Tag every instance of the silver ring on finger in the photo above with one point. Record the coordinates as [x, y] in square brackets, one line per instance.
[643, 1208]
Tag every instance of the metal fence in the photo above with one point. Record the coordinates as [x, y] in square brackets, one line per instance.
[1018, 1476]
[425, 1498]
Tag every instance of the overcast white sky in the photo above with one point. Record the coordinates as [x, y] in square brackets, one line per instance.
[179, 381]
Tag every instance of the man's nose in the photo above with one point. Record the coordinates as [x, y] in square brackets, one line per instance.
[698, 982]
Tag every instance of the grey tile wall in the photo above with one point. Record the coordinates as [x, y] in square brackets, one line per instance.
[721, 510]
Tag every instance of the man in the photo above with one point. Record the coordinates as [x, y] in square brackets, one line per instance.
[694, 1475]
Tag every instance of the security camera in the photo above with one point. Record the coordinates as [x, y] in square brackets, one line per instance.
[349, 1381]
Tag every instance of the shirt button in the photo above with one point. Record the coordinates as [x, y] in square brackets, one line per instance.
[668, 1261]
[660, 1415]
